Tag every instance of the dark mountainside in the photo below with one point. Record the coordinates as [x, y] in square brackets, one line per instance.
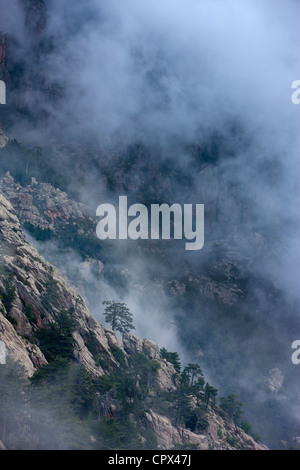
[225, 307]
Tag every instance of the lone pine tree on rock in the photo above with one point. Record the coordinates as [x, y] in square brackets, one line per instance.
[119, 316]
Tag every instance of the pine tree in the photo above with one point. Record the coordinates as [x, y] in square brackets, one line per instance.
[119, 316]
[210, 394]
[232, 406]
[173, 358]
[194, 372]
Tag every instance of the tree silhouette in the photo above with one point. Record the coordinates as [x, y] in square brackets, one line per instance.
[194, 372]
[173, 358]
[210, 394]
[119, 316]
[232, 406]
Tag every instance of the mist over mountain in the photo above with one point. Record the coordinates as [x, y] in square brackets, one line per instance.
[168, 102]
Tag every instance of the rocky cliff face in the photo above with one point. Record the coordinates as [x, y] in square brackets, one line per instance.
[34, 293]
[43, 206]
[220, 435]
[36, 283]
[3, 138]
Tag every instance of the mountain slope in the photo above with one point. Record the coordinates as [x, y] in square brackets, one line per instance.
[36, 302]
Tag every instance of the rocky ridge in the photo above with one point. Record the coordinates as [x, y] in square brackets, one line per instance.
[42, 205]
[31, 277]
